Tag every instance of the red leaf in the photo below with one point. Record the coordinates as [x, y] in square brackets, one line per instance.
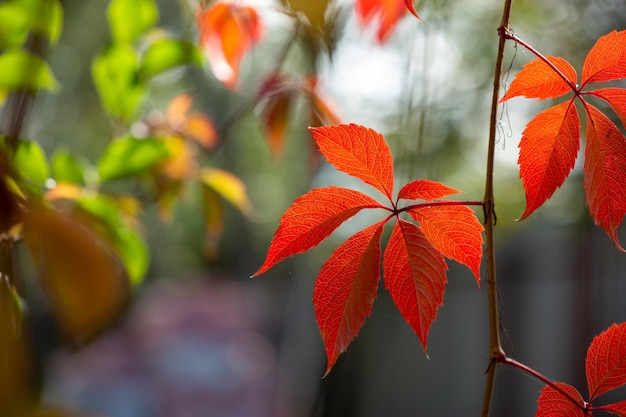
[425, 190]
[606, 60]
[345, 290]
[552, 403]
[388, 12]
[548, 152]
[357, 151]
[616, 97]
[538, 80]
[275, 118]
[312, 218]
[227, 32]
[605, 172]
[618, 408]
[415, 276]
[455, 232]
[409, 5]
[606, 361]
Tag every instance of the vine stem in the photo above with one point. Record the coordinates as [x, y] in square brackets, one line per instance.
[495, 347]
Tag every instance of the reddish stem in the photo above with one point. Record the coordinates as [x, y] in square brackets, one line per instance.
[525, 368]
[440, 203]
[511, 36]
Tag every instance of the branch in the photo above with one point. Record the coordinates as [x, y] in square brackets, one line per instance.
[496, 352]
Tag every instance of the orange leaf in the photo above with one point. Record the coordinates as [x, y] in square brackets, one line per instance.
[538, 80]
[387, 12]
[605, 363]
[415, 276]
[345, 290]
[275, 118]
[548, 152]
[606, 60]
[552, 403]
[409, 5]
[311, 219]
[357, 151]
[605, 172]
[425, 190]
[616, 97]
[227, 32]
[455, 232]
[80, 275]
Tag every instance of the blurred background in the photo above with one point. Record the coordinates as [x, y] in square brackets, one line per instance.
[200, 338]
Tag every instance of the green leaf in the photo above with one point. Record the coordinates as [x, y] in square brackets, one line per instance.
[115, 74]
[131, 18]
[31, 164]
[17, 18]
[22, 70]
[130, 156]
[165, 54]
[66, 168]
[129, 245]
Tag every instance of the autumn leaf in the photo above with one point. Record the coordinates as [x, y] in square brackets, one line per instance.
[605, 363]
[605, 367]
[550, 142]
[548, 151]
[386, 13]
[538, 80]
[357, 151]
[552, 403]
[413, 264]
[311, 219]
[227, 32]
[346, 288]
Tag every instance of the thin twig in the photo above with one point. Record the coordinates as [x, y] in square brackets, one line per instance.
[496, 352]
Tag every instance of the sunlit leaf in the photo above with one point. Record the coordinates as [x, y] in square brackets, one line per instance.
[31, 163]
[165, 54]
[552, 403]
[606, 60]
[81, 277]
[116, 76]
[14, 24]
[66, 168]
[22, 70]
[605, 363]
[386, 14]
[130, 156]
[131, 18]
[538, 80]
[227, 32]
[230, 187]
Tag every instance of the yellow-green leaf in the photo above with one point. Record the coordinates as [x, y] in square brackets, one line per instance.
[131, 18]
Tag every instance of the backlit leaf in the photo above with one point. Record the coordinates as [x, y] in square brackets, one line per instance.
[605, 172]
[618, 408]
[312, 218]
[415, 275]
[131, 18]
[411, 7]
[538, 80]
[552, 403]
[425, 190]
[358, 151]
[130, 156]
[345, 290]
[227, 32]
[164, 54]
[606, 361]
[275, 118]
[455, 232]
[22, 70]
[66, 168]
[385, 13]
[116, 77]
[230, 187]
[616, 97]
[31, 163]
[548, 152]
[78, 272]
[606, 60]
